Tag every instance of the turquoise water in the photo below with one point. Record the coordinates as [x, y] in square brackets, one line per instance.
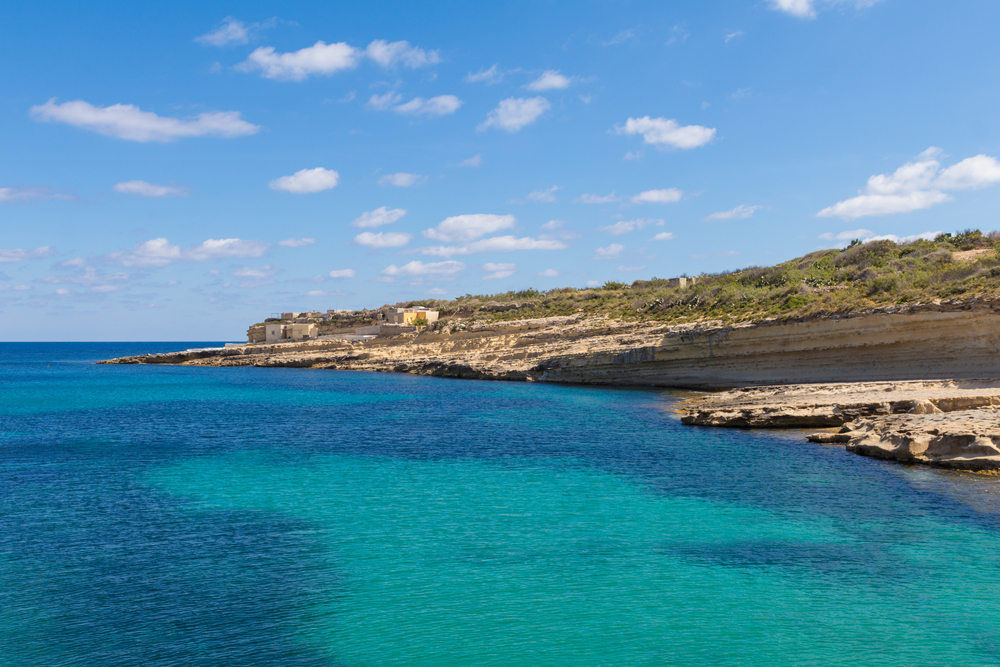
[186, 516]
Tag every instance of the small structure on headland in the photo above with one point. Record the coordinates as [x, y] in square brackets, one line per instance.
[276, 332]
[408, 315]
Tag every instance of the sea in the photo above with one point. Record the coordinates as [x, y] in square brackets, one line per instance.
[169, 516]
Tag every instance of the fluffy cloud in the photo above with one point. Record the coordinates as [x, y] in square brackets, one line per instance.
[320, 58]
[343, 273]
[969, 174]
[464, 228]
[489, 76]
[380, 216]
[402, 179]
[125, 121]
[497, 271]
[29, 194]
[599, 199]
[146, 189]
[801, 8]
[474, 161]
[867, 235]
[548, 273]
[21, 254]
[230, 32]
[916, 185]
[390, 54]
[442, 105]
[664, 236]
[665, 196]
[626, 226]
[297, 243]
[609, 252]
[306, 180]
[739, 213]
[160, 252]
[418, 269]
[550, 80]
[494, 244]
[385, 101]
[382, 239]
[667, 133]
[514, 113]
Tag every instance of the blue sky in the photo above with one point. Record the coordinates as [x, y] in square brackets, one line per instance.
[179, 171]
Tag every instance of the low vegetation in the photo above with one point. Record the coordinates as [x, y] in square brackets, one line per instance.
[861, 277]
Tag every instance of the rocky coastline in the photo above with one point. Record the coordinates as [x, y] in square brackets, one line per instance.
[891, 380]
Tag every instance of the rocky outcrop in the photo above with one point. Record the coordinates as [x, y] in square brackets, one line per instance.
[880, 346]
[966, 440]
[825, 405]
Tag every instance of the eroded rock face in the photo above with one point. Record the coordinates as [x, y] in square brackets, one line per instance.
[965, 440]
[825, 405]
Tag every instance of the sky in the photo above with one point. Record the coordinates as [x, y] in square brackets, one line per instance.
[179, 171]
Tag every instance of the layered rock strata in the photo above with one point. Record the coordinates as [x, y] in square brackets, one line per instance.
[967, 440]
[884, 346]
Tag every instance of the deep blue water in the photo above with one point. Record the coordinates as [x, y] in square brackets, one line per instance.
[241, 516]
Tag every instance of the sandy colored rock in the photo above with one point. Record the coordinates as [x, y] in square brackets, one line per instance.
[965, 440]
[822, 405]
[933, 342]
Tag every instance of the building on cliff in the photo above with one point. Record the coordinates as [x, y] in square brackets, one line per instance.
[275, 332]
[407, 315]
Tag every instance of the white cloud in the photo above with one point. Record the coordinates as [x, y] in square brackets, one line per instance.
[733, 35]
[320, 58]
[417, 269]
[498, 271]
[306, 181]
[343, 273]
[801, 8]
[27, 195]
[468, 227]
[259, 272]
[848, 235]
[553, 225]
[609, 252]
[160, 252]
[550, 80]
[631, 269]
[626, 226]
[664, 236]
[494, 244]
[489, 76]
[598, 199]
[89, 276]
[297, 243]
[593, 283]
[867, 235]
[665, 196]
[402, 179]
[548, 273]
[14, 288]
[514, 113]
[666, 132]
[386, 101]
[146, 189]
[546, 196]
[21, 254]
[390, 54]
[437, 291]
[969, 174]
[474, 161]
[442, 105]
[382, 239]
[230, 32]
[380, 216]
[739, 213]
[125, 121]
[916, 185]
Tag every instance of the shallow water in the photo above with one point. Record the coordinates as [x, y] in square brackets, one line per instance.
[209, 516]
